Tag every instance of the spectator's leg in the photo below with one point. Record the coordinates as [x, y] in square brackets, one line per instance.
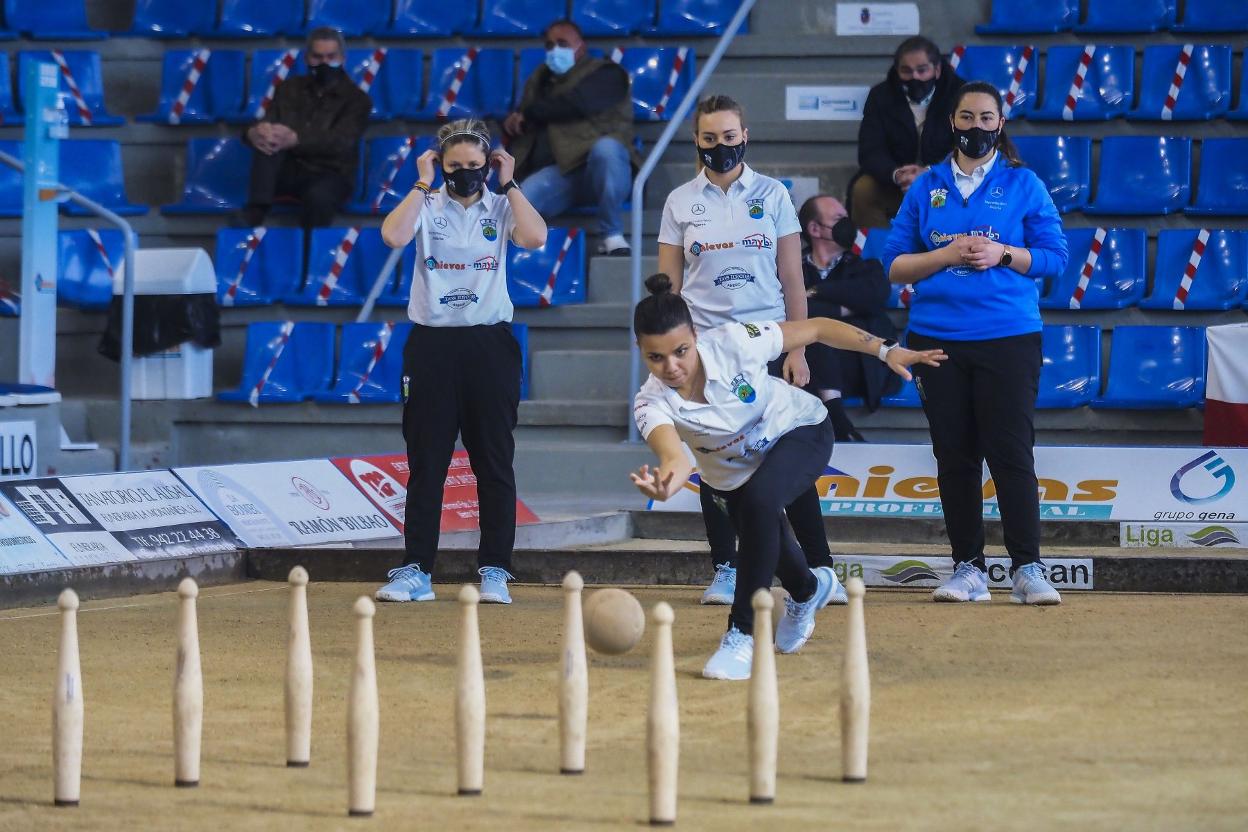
[549, 191]
[610, 174]
[263, 187]
[874, 203]
[320, 196]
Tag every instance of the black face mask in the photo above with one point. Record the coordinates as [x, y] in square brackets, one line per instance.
[917, 90]
[844, 233]
[465, 182]
[976, 143]
[722, 157]
[324, 74]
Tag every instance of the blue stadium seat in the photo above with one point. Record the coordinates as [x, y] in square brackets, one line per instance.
[173, 18]
[92, 167]
[1143, 175]
[363, 260]
[390, 172]
[351, 17]
[1205, 92]
[260, 18]
[10, 301]
[217, 93]
[9, 115]
[651, 69]
[1119, 16]
[50, 19]
[553, 275]
[518, 18]
[285, 361]
[1105, 92]
[997, 65]
[1071, 373]
[84, 67]
[907, 396]
[398, 289]
[1213, 16]
[1240, 113]
[874, 246]
[397, 79]
[599, 18]
[1155, 368]
[431, 18]
[487, 88]
[10, 181]
[694, 17]
[265, 66]
[364, 377]
[521, 333]
[217, 175]
[1219, 279]
[84, 272]
[1063, 163]
[257, 266]
[1223, 185]
[1117, 275]
[1020, 17]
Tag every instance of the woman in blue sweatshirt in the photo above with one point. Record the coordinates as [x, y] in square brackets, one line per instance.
[973, 235]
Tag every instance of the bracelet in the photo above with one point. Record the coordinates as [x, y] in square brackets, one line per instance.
[511, 184]
[422, 187]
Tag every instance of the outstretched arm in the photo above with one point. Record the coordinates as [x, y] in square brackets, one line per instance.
[674, 466]
[842, 336]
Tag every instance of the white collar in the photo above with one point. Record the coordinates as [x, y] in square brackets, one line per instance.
[978, 173]
[745, 180]
[444, 201]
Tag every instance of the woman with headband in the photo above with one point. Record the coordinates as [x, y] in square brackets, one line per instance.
[461, 365]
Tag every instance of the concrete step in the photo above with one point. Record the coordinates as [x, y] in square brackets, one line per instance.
[592, 469]
[574, 413]
[579, 374]
[610, 279]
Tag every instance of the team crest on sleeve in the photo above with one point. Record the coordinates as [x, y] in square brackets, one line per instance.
[742, 389]
[752, 330]
[756, 208]
[939, 196]
[489, 229]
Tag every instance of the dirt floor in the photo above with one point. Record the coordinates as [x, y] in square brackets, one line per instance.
[1110, 712]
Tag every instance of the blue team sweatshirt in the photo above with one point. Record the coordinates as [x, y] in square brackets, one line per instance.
[1011, 206]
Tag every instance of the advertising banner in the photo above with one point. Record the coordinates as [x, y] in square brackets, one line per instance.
[877, 19]
[1183, 535]
[53, 509]
[824, 103]
[19, 458]
[882, 570]
[23, 548]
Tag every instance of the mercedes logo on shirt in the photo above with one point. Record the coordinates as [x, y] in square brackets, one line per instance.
[698, 209]
[440, 222]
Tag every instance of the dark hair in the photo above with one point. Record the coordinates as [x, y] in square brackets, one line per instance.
[327, 33]
[918, 43]
[563, 21]
[717, 104]
[662, 311]
[1007, 148]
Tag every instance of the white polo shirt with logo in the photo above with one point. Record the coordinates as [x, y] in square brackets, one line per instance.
[746, 409]
[729, 240]
[460, 278]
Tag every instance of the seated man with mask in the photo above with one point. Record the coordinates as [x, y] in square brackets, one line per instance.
[307, 144]
[572, 135]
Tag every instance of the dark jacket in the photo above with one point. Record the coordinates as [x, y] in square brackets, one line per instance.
[330, 122]
[887, 138]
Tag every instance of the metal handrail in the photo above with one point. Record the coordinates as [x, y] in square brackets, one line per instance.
[652, 161]
[127, 302]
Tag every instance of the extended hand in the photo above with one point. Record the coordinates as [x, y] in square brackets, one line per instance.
[899, 358]
[506, 164]
[649, 484]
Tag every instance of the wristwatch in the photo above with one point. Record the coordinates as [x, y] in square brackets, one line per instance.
[1007, 257]
[888, 346]
[512, 184]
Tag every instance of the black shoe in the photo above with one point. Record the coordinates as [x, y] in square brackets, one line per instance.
[842, 428]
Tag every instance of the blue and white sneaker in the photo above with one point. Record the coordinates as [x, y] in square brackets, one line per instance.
[723, 588]
[798, 622]
[734, 659]
[407, 583]
[1032, 587]
[968, 583]
[494, 585]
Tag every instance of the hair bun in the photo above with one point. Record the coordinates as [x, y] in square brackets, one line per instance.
[659, 284]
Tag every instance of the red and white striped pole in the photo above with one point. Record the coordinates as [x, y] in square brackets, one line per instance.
[549, 292]
[335, 271]
[1076, 86]
[379, 349]
[400, 156]
[1176, 83]
[1089, 264]
[283, 338]
[672, 79]
[252, 243]
[1016, 81]
[1189, 273]
[371, 67]
[280, 73]
[198, 62]
[452, 92]
[80, 103]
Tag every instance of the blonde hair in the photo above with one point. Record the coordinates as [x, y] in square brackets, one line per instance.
[464, 130]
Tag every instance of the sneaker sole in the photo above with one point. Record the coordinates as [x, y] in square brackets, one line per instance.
[952, 599]
[394, 599]
[494, 599]
[722, 677]
[716, 600]
[1040, 602]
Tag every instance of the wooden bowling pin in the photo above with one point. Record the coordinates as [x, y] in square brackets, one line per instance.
[470, 698]
[764, 704]
[298, 674]
[573, 680]
[188, 690]
[67, 707]
[363, 716]
[855, 690]
[663, 721]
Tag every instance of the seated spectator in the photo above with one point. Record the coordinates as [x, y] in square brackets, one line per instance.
[842, 286]
[905, 129]
[307, 145]
[572, 135]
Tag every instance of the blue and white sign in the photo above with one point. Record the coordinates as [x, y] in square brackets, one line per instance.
[825, 103]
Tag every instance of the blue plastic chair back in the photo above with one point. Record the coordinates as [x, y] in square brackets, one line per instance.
[256, 269]
[84, 272]
[1143, 175]
[1240, 113]
[50, 19]
[84, 66]
[1223, 188]
[348, 287]
[260, 18]
[217, 93]
[873, 248]
[487, 88]
[997, 65]
[351, 17]
[265, 64]
[1105, 92]
[390, 173]
[9, 115]
[1117, 270]
[396, 84]
[173, 18]
[1119, 16]
[1063, 163]
[598, 18]
[1071, 373]
[93, 168]
[519, 18]
[1205, 91]
[1155, 368]
[10, 181]
[695, 17]
[217, 177]
[431, 18]
[364, 377]
[1213, 16]
[301, 362]
[1017, 17]
[1218, 279]
[552, 275]
[651, 70]
[398, 289]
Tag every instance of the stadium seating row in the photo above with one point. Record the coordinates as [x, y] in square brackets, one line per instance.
[1115, 16]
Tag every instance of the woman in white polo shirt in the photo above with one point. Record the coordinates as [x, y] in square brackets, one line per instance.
[461, 365]
[758, 443]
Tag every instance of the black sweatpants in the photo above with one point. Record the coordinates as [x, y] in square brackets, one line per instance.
[461, 381]
[980, 405]
[757, 509]
[320, 193]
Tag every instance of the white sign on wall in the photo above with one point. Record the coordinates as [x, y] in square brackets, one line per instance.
[877, 19]
[23, 548]
[884, 570]
[19, 444]
[1183, 535]
[843, 103]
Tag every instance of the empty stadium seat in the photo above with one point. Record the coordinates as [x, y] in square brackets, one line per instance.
[217, 90]
[1154, 368]
[9, 114]
[1143, 175]
[285, 361]
[50, 19]
[10, 181]
[1010, 17]
[342, 264]
[661, 77]
[390, 172]
[257, 266]
[487, 87]
[518, 18]
[553, 275]
[1204, 91]
[1118, 16]
[1199, 268]
[217, 175]
[1063, 163]
[694, 17]
[1115, 270]
[611, 17]
[1105, 91]
[398, 289]
[173, 18]
[351, 17]
[1223, 185]
[907, 396]
[260, 18]
[1213, 16]
[1240, 113]
[92, 167]
[370, 366]
[396, 82]
[267, 68]
[1071, 373]
[86, 260]
[998, 65]
[431, 18]
[80, 69]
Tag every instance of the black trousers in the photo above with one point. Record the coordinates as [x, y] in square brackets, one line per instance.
[980, 405]
[833, 369]
[320, 193]
[461, 381]
[757, 509]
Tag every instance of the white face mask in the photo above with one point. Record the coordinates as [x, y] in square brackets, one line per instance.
[560, 59]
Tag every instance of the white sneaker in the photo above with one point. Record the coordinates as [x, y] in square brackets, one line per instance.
[615, 246]
[724, 588]
[798, 622]
[1031, 587]
[734, 659]
[967, 584]
[407, 583]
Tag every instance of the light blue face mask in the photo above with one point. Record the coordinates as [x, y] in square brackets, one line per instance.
[560, 59]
